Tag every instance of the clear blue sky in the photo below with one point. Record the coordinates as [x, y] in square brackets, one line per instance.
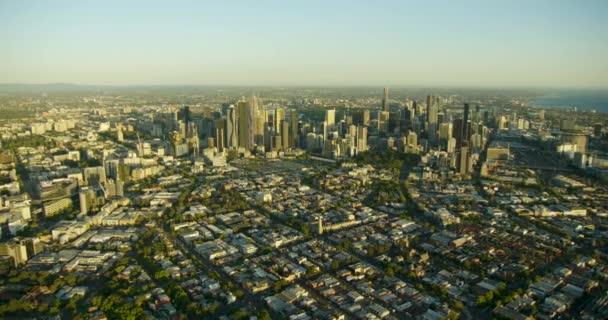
[550, 43]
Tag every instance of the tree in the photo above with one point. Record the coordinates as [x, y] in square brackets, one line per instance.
[264, 315]
[161, 275]
[459, 305]
[389, 271]
[306, 229]
[239, 315]
[279, 285]
[335, 264]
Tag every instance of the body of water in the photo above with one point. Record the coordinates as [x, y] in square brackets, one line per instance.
[581, 99]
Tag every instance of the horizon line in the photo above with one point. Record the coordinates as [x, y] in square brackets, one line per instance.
[394, 86]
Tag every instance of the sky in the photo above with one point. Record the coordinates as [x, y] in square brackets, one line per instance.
[467, 43]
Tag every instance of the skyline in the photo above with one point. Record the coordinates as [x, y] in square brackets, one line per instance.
[552, 44]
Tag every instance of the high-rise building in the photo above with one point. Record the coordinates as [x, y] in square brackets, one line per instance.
[231, 128]
[457, 130]
[279, 117]
[15, 249]
[365, 116]
[220, 134]
[119, 135]
[361, 139]
[260, 126]
[412, 139]
[285, 135]
[293, 132]
[330, 117]
[245, 122]
[94, 175]
[465, 126]
[451, 145]
[383, 121]
[385, 100]
[184, 119]
[87, 197]
[464, 161]
[432, 119]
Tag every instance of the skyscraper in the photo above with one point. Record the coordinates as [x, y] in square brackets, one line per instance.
[330, 117]
[361, 139]
[457, 130]
[465, 126]
[432, 119]
[293, 132]
[285, 135]
[383, 119]
[365, 117]
[385, 100]
[231, 128]
[244, 121]
[464, 161]
[185, 115]
[220, 134]
[279, 116]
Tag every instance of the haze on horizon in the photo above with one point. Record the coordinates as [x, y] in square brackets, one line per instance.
[516, 43]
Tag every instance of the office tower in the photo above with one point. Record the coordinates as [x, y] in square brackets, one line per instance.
[502, 123]
[185, 114]
[432, 119]
[276, 143]
[361, 138]
[477, 116]
[285, 135]
[541, 114]
[231, 128]
[87, 197]
[463, 160]
[429, 101]
[220, 134]
[475, 141]
[578, 139]
[457, 129]
[244, 121]
[383, 119]
[385, 100]
[279, 117]
[119, 135]
[94, 175]
[114, 189]
[293, 132]
[33, 246]
[365, 117]
[181, 125]
[465, 126]
[412, 139]
[348, 119]
[330, 117]
[260, 126]
[445, 132]
[254, 130]
[597, 129]
[15, 249]
[210, 143]
[451, 145]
